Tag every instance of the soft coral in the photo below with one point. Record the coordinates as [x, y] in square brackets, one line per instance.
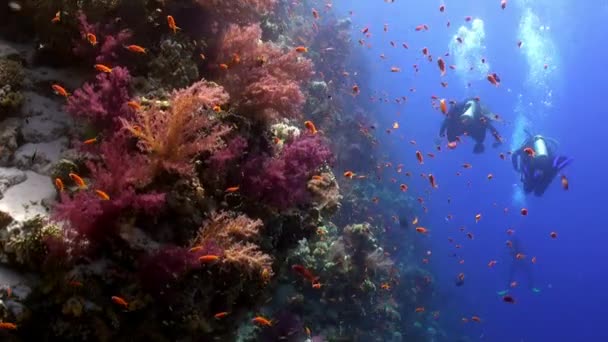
[103, 102]
[176, 135]
[281, 181]
[120, 175]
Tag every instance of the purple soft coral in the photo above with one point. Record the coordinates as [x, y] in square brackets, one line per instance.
[105, 101]
[118, 176]
[106, 52]
[281, 181]
[165, 265]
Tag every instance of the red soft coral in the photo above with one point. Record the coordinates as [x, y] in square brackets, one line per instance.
[120, 175]
[262, 78]
[173, 136]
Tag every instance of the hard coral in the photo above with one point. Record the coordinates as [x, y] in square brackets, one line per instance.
[281, 181]
[174, 136]
[104, 102]
[120, 175]
[262, 78]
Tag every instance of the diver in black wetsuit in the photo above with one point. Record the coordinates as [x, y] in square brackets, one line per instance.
[538, 164]
[471, 118]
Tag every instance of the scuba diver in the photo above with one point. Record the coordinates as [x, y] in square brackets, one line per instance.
[537, 163]
[469, 118]
[520, 266]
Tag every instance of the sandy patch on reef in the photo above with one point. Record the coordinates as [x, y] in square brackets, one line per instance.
[25, 200]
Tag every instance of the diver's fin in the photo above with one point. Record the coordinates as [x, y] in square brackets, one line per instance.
[561, 162]
[479, 148]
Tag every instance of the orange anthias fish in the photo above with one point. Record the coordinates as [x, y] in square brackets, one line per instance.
[301, 49]
[120, 301]
[530, 152]
[419, 157]
[492, 79]
[349, 174]
[59, 184]
[102, 68]
[134, 105]
[262, 321]
[171, 24]
[59, 90]
[477, 218]
[102, 195]
[312, 129]
[223, 66]
[420, 309]
[232, 189]
[443, 106]
[136, 48]
[56, 18]
[8, 326]
[220, 315]
[196, 249]
[90, 141]
[91, 38]
[441, 65]
[565, 183]
[78, 180]
[208, 258]
[304, 272]
[422, 230]
[432, 180]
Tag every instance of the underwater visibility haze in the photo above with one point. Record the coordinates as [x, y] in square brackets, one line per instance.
[303, 170]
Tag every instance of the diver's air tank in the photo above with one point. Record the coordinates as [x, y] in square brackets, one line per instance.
[469, 114]
[540, 146]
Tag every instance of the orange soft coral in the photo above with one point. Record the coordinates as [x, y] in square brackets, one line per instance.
[237, 237]
[173, 136]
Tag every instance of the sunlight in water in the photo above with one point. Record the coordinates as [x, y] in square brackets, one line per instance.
[469, 53]
[540, 53]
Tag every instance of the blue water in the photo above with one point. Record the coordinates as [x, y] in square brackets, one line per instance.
[565, 101]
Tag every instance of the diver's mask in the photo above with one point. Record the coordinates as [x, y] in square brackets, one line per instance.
[540, 146]
[469, 112]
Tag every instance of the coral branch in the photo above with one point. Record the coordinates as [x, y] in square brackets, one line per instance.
[104, 102]
[173, 137]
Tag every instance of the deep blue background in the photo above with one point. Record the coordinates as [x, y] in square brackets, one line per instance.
[571, 271]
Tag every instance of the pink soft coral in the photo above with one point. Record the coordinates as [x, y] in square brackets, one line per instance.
[120, 175]
[103, 102]
[241, 11]
[173, 136]
[262, 78]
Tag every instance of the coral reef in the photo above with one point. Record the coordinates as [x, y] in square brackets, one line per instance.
[189, 200]
[11, 78]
